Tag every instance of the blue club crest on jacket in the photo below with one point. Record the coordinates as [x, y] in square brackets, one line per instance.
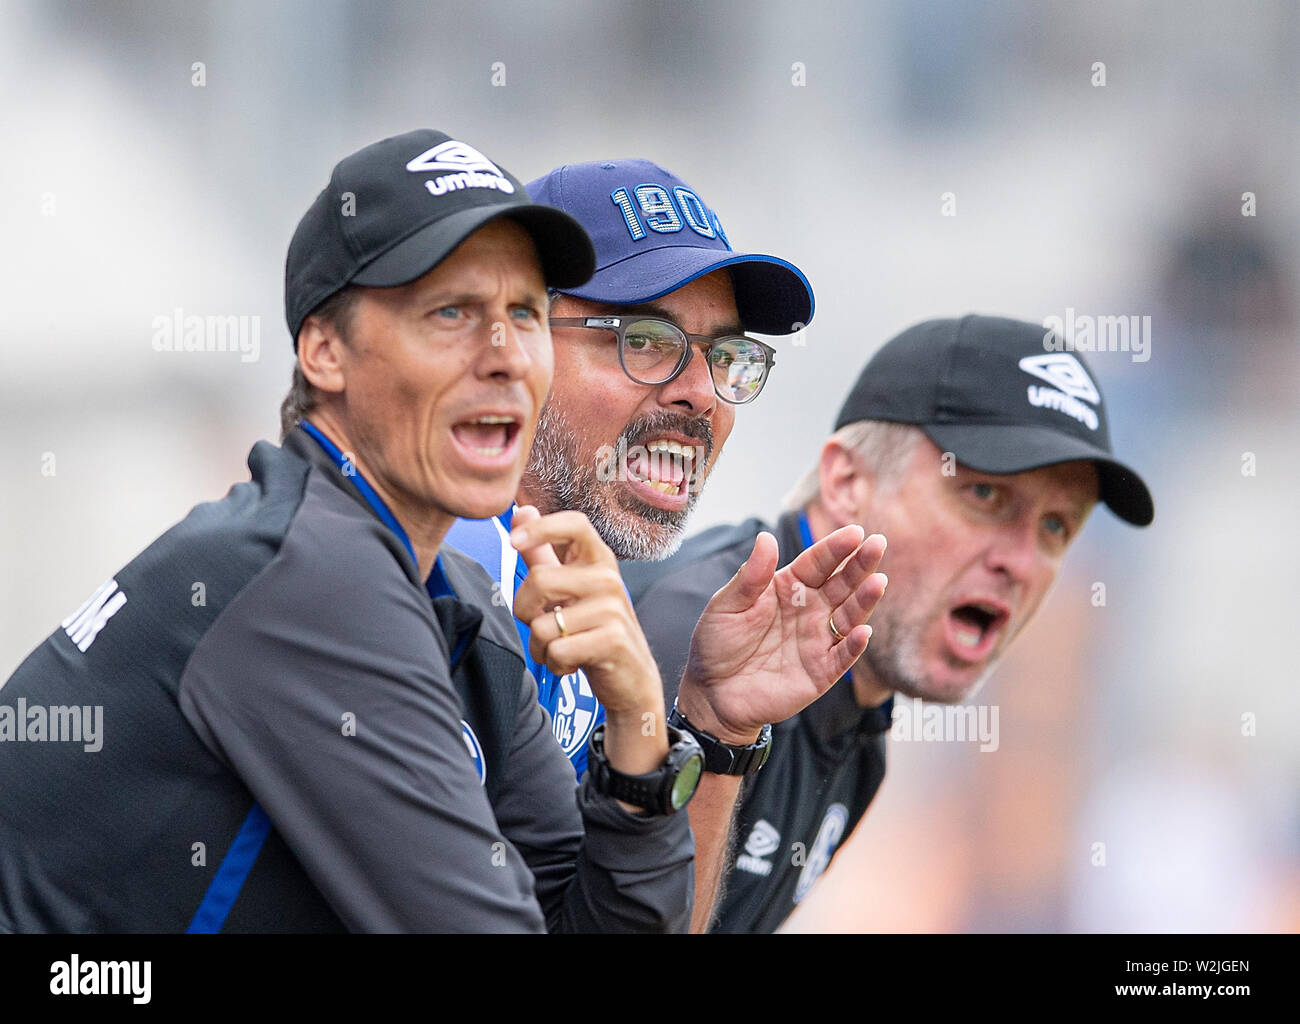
[572, 703]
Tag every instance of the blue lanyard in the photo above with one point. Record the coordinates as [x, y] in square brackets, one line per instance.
[805, 532]
[437, 584]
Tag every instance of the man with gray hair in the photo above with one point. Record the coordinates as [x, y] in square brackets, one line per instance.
[979, 452]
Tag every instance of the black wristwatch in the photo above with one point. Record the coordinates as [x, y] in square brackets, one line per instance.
[719, 757]
[665, 790]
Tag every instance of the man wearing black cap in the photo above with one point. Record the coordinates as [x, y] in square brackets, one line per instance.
[978, 448]
[312, 717]
[651, 365]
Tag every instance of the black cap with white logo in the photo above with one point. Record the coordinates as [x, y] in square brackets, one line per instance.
[1003, 396]
[395, 209]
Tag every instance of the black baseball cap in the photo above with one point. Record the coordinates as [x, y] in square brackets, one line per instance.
[395, 209]
[1004, 396]
[654, 234]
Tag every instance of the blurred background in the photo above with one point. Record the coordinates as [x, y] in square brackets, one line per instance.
[158, 156]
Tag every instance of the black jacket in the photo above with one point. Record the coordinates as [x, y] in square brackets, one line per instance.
[298, 736]
[826, 763]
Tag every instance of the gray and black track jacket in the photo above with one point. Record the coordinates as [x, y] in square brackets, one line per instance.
[297, 736]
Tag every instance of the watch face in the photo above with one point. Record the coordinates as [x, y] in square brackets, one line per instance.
[687, 779]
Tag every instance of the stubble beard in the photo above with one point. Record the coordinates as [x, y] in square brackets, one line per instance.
[557, 479]
[894, 658]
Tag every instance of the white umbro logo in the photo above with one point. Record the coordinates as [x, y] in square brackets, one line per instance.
[763, 840]
[84, 624]
[452, 155]
[1063, 372]
[466, 167]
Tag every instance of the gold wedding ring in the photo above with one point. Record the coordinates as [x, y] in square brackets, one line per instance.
[559, 621]
[830, 621]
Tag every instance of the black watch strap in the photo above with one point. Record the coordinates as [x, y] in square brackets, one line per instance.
[665, 790]
[721, 758]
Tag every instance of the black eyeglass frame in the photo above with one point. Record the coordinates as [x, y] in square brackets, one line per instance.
[619, 325]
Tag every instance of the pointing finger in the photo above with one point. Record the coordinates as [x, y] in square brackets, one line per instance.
[534, 553]
[569, 530]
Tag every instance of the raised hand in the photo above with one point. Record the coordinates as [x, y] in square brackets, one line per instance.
[571, 568]
[763, 649]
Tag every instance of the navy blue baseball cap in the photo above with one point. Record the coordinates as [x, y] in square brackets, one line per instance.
[397, 208]
[653, 234]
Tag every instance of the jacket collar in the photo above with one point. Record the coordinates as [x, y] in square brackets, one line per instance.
[460, 622]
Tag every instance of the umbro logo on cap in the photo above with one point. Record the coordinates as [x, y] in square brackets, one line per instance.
[1071, 387]
[471, 169]
[374, 226]
[1065, 373]
[960, 381]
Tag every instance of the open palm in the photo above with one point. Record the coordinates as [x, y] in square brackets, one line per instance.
[763, 650]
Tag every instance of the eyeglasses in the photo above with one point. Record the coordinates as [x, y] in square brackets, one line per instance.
[653, 351]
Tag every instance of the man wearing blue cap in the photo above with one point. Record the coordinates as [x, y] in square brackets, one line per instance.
[651, 360]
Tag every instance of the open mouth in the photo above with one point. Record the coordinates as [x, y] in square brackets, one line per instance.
[974, 628]
[487, 438]
[660, 471]
[662, 465]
